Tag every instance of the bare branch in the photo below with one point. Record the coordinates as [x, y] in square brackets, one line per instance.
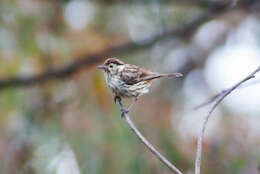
[210, 100]
[220, 98]
[144, 140]
[215, 97]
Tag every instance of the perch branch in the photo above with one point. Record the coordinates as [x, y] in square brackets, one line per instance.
[144, 140]
[219, 99]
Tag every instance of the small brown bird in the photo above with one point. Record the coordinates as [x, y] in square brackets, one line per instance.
[126, 80]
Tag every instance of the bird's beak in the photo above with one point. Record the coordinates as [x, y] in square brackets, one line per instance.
[101, 67]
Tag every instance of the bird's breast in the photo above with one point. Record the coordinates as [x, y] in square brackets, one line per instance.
[120, 88]
[113, 82]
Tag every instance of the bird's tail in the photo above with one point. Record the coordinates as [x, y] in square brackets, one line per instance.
[155, 76]
[171, 75]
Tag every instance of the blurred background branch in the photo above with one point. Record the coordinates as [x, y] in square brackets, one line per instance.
[88, 61]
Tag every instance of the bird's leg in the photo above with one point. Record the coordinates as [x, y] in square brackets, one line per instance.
[122, 109]
[133, 102]
[117, 98]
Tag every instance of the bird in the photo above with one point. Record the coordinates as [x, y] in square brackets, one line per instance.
[129, 81]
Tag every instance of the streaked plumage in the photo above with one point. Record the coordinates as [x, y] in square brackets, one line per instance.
[126, 80]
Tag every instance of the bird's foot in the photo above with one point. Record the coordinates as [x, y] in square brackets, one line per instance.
[123, 111]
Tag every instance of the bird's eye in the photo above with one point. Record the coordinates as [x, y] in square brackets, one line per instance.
[110, 66]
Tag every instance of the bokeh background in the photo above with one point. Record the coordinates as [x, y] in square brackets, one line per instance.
[58, 117]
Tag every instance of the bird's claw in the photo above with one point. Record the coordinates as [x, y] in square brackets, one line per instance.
[124, 111]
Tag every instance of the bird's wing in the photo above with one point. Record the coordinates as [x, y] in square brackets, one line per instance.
[133, 74]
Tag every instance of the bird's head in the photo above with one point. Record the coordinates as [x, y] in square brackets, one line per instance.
[112, 66]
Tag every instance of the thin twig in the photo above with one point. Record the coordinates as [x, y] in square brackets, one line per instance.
[144, 140]
[220, 98]
[213, 98]
[210, 100]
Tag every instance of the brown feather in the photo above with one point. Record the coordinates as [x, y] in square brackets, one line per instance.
[171, 75]
[133, 74]
[126, 80]
[113, 60]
